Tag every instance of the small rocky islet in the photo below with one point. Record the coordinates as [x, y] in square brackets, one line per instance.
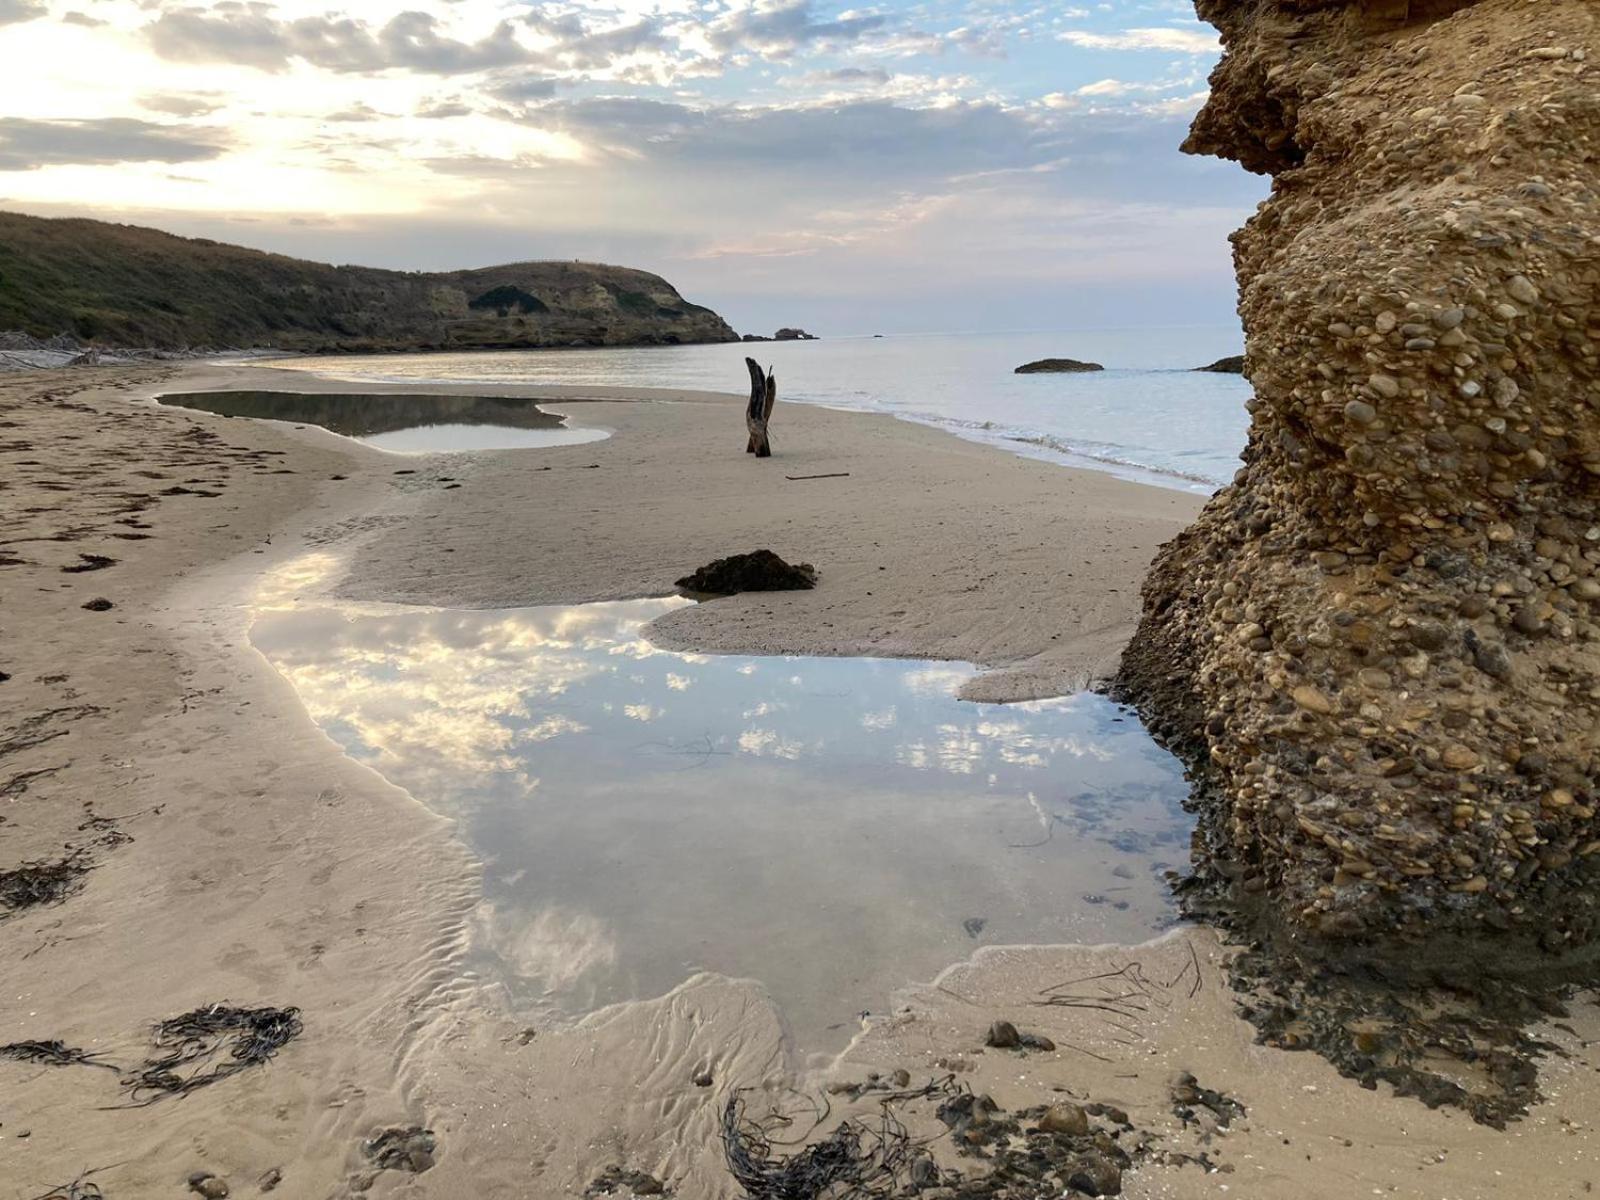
[1056, 366]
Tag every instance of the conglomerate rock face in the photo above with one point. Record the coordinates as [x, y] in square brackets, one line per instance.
[1381, 645]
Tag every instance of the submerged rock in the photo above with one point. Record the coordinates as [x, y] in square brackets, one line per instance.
[1051, 366]
[1232, 365]
[758, 571]
[1379, 647]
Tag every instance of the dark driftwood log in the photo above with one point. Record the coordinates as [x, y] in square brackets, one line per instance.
[763, 395]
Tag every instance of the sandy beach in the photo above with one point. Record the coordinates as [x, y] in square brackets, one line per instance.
[236, 855]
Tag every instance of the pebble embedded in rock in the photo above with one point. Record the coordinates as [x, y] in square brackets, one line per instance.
[212, 1187]
[1312, 700]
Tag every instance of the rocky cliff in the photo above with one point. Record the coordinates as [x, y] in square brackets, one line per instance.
[123, 285]
[1380, 647]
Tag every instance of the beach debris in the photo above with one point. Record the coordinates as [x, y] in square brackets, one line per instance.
[89, 562]
[1188, 1095]
[763, 395]
[828, 475]
[36, 883]
[1056, 366]
[758, 571]
[616, 1179]
[99, 604]
[270, 1179]
[1003, 1035]
[853, 1159]
[212, 1187]
[52, 1054]
[974, 925]
[251, 1036]
[402, 1148]
[78, 1189]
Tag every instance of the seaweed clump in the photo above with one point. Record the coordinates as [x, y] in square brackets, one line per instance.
[758, 571]
[252, 1037]
[37, 883]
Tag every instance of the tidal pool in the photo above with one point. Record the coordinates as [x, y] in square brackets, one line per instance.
[404, 423]
[834, 827]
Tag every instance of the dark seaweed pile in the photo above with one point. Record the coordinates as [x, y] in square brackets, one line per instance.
[252, 1036]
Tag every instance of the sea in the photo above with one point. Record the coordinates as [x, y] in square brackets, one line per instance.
[1149, 416]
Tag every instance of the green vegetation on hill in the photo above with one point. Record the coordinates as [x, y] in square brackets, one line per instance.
[123, 285]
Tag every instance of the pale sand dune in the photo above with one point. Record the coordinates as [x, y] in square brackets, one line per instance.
[279, 872]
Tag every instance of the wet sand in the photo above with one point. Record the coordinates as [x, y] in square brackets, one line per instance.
[265, 867]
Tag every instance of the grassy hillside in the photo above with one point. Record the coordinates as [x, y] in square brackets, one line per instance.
[124, 285]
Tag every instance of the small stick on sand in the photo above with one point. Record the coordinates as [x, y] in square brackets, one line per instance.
[832, 475]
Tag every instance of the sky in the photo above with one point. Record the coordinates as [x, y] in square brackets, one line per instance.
[900, 166]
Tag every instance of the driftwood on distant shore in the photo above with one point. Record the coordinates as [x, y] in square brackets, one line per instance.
[763, 395]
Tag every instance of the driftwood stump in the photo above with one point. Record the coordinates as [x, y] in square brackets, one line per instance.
[763, 395]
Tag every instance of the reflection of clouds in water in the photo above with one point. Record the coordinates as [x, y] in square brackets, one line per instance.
[962, 749]
[643, 712]
[770, 744]
[884, 718]
[765, 709]
[940, 679]
[679, 683]
[1055, 704]
[446, 693]
[554, 946]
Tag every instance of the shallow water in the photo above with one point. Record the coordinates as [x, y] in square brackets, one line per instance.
[835, 827]
[1149, 416]
[402, 423]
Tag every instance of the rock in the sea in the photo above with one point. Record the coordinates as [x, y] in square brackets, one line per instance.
[793, 335]
[758, 571]
[1052, 366]
[1415, 530]
[1232, 365]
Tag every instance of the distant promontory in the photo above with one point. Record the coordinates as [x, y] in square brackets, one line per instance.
[1232, 365]
[124, 285]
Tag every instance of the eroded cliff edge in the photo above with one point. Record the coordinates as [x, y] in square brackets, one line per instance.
[1380, 646]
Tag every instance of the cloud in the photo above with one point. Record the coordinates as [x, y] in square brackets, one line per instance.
[252, 35]
[850, 75]
[1177, 41]
[181, 104]
[26, 145]
[13, 12]
[520, 89]
[780, 27]
[81, 18]
[444, 110]
[875, 134]
[1110, 87]
[581, 46]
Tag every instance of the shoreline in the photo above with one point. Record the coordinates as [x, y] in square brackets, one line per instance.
[261, 879]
